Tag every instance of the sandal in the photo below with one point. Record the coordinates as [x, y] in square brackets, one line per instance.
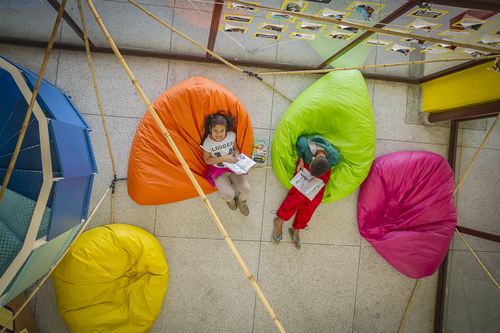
[274, 239]
[290, 231]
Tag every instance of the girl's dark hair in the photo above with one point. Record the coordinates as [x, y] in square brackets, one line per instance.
[222, 117]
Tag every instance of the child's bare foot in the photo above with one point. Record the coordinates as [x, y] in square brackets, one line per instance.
[278, 225]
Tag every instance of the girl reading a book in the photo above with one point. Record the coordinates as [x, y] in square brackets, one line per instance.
[318, 156]
[219, 145]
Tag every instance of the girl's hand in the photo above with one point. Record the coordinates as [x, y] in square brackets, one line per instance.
[300, 167]
[230, 159]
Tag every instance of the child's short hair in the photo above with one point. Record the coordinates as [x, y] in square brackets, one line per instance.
[319, 166]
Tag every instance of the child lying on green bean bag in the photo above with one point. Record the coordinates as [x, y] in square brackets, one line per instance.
[338, 108]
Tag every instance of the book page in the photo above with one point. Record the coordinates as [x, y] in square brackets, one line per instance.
[307, 185]
[242, 166]
[245, 162]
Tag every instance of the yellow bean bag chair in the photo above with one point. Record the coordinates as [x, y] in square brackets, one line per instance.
[113, 280]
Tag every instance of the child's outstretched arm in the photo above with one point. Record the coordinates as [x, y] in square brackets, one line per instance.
[209, 159]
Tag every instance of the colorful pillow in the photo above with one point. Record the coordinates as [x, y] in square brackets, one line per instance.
[338, 108]
[113, 280]
[406, 210]
[155, 175]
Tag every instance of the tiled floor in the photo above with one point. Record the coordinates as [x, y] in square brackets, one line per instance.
[472, 299]
[337, 281]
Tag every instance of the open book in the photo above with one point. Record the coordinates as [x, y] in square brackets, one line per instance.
[242, 166]
[308, 185]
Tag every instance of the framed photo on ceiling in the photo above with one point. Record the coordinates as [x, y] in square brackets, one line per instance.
[428, 14]
[454, 33]
[294, 6]
[300, 35]
[337, 34]
[233, 29]
[419, 24]
[313, 27]
[273, 27]
[471, 23]
[413, 40]
[490, 41]
[377, 42]
[238, 18]
[237, 6]
[400, 49]
[396, 30]
[435, 50]
[281, 17]
[328, 13]
[262, 35]
[366, 9]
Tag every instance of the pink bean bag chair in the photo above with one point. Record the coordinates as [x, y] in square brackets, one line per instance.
[406, 210]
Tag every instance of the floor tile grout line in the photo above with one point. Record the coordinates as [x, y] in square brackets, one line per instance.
[261, 241]
[272, 104]
[57, 66]
[406, 111]
[406, 99]
[262, 128]
[35, 297]
[208, 238]
[356, 291]
[427, 143]
[156, 218]
[260, 251]
[168, 72]
[171, 32]
[111, 115]
[476, 251]
[276, 55]
[457, 165]
[478, 147]
[58, 52]
[474, 129]
[320, 244]
[263, 209]
[448, 279]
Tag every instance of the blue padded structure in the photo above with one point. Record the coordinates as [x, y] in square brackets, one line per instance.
[27, 176]
[16, 211]
[11, 246]
[73, 162]
[73, 166]
[68, 209]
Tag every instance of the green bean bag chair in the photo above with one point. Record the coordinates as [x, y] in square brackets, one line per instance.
[337, 107]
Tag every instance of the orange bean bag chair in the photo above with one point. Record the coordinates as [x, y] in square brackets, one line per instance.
[155, 175]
